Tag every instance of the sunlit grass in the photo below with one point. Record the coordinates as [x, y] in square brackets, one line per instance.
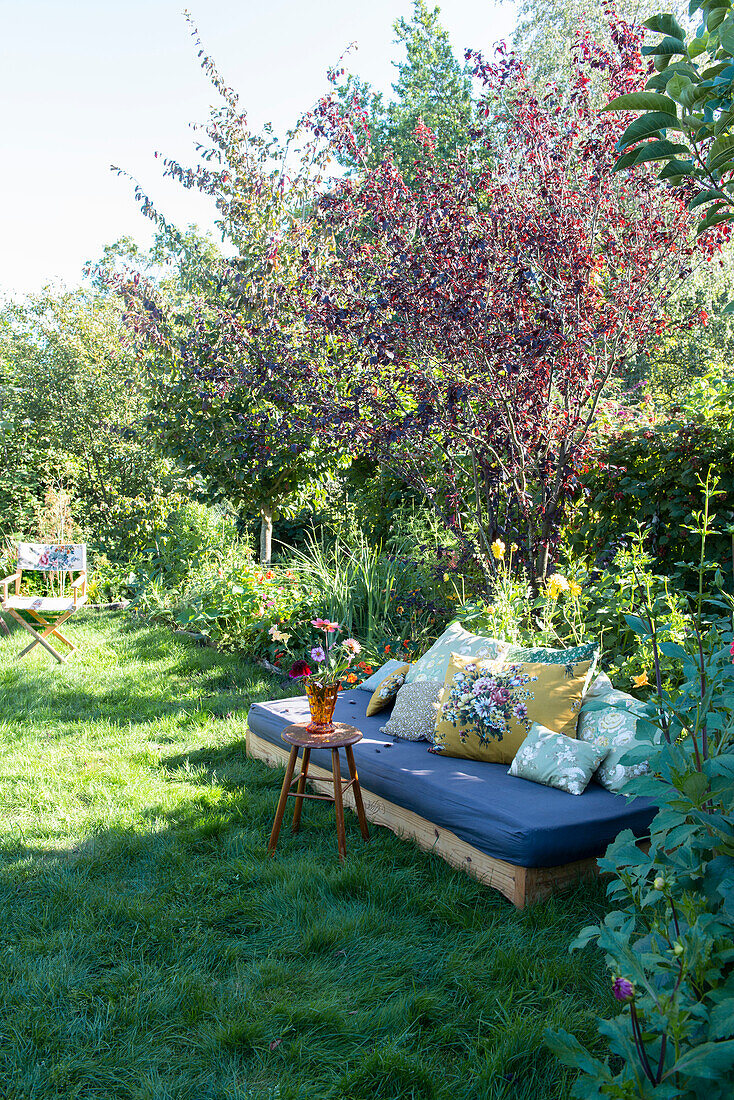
[151, 950]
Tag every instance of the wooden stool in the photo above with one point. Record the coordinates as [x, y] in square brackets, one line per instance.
[298, 737]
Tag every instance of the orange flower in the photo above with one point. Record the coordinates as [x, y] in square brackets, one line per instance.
[269, 575]
[351, 678]
[368, 670]
[406, 643]
[387, 649]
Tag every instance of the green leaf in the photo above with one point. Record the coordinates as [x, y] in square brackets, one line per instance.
[642, 101]
[636, 624]
[677, 85]
[698, 45]
[568, 1050]
[666, 47]
[626, 160]
[710, 1060]
[662, 149]
[721, 1021]
[695, 786]
[720, 151]
[649, 125]
[672, 649]
[714, 217]
[676, 169]
[715, 17]
[665, 24]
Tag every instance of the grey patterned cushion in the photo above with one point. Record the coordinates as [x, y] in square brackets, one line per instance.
[434, 664]
[414, 715]
[610, 721]
[556, 760]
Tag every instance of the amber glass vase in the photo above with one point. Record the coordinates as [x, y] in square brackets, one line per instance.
[321, 703]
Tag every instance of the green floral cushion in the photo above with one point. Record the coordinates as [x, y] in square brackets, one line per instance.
[545, 656]
[600, 685]
[556, 760]
[434, 664]
[568, 657]
[376, 678]
[610, 721]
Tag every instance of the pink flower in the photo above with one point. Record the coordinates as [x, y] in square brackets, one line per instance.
[317, 654]
[352, 646]
[325, 624]
[731, 651]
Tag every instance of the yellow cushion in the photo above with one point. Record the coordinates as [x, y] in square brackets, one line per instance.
[492, 722]
[386, 690]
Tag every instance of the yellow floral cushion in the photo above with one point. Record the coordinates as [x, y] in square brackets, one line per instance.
[487, 707]
[385, 692]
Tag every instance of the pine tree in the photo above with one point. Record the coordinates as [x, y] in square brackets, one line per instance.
[432, 85]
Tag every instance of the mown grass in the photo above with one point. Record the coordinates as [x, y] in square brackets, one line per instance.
[150, 950]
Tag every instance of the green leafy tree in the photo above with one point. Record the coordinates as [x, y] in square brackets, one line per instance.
[687, 111]
[221, 411]
[546, 31]
[73, 402]
[432, 86]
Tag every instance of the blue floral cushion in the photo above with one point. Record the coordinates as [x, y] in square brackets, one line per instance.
[610, 721]
[434, 664]
[556, 760]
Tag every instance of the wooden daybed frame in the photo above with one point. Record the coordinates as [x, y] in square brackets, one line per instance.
[520, 885]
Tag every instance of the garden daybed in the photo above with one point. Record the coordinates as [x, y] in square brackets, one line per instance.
[523, 839]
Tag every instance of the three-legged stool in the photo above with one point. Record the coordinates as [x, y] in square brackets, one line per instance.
[298, 737]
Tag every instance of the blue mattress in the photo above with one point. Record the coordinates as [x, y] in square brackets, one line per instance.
[511, 819]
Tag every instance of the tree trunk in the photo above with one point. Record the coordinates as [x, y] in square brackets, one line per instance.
[266, 532]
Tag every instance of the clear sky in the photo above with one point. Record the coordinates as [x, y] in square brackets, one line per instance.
[89, 83]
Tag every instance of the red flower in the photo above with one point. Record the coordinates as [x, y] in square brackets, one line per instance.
[299, 669]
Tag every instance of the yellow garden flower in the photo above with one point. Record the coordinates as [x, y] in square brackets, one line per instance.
[557, 584]
[498, 549]
[574, 588]
[640, 681]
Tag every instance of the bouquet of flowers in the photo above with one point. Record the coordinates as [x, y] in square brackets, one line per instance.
[330, 659]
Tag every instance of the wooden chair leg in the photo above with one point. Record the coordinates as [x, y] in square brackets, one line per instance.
[280, 812]
[301, 789]
[40, 639]
[55, 627]
[356, 791]
[338, 804]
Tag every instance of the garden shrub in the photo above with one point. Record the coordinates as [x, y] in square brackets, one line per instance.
[669, 943]
[651, 473]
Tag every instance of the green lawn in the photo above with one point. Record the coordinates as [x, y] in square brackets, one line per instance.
[151, 950]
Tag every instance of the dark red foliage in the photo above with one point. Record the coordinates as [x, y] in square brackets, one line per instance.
[472, 320]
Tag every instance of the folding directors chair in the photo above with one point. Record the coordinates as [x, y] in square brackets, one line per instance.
[42, 616]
